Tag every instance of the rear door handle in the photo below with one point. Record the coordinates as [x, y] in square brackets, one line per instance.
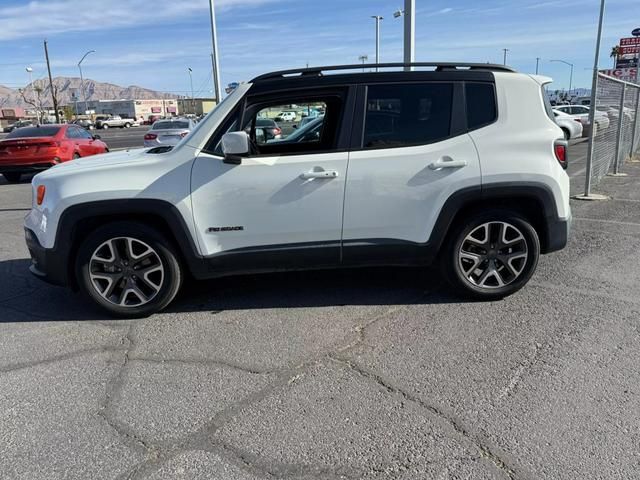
[319, 174]
[447, 162]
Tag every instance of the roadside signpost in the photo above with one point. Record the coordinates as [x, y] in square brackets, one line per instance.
[628, 62]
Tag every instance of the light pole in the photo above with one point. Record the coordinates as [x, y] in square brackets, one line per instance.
[570, 76]
[84, 94]
[409, 31]
[33, 93]
[363, 59]
[505, 50]
[537, 64]
[217, 85]
[378, 19]
[192, 97]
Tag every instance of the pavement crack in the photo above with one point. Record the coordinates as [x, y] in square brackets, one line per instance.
[201, 361]
[485, 450]
[59, 358]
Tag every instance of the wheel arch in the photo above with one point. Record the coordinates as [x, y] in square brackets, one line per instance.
[79, 220]
[534, 201]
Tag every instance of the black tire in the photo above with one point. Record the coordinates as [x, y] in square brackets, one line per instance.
[76, 156]
[166, 255]
[567, 134]
[451, 263]
[105, 127]
[127, 125]
[12, 177]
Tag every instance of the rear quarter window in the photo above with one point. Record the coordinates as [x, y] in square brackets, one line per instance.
[481, 105]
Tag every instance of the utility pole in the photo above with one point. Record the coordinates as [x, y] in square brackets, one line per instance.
[378, 19]
[53, 95]
[537, 64]
[217, 85]
[505, 50]
[409, 32]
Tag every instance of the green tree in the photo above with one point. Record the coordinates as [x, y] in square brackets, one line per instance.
[615, 53]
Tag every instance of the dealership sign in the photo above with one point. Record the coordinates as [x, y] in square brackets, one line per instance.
[636, 32]
[629, 41]
[631, 50]
[626, 74]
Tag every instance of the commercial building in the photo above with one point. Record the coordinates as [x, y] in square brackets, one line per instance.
[138, 109]
[196, 106]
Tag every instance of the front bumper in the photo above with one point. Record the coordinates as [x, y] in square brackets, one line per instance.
[46, 264]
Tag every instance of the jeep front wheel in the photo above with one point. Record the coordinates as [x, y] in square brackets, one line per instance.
[128, 269]
[492, 255]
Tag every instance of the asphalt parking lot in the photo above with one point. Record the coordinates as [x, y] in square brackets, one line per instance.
[373, 374]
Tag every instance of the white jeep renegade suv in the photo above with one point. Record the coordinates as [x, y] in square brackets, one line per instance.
[460, 163]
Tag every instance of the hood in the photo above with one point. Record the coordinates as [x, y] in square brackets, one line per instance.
[96, 161]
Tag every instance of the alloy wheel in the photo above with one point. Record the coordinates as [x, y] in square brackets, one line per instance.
[126, 272]
[493, 255]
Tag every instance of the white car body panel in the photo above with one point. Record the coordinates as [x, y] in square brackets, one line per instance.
[267, 197]
[392, 193]
[518, 147]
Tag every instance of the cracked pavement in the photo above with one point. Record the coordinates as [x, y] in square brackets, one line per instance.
[367, 374]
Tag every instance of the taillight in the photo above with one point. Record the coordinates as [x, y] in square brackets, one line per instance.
[560, 149]
[40, 191]
[150, 136]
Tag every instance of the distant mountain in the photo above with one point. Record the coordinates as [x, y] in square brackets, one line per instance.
[68, 86]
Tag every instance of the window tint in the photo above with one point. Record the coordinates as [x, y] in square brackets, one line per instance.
[30, 132]
[290, 137]
[403, 115]
[170, 125]
[481, 104]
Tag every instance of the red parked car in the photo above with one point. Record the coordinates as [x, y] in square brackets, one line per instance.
[31, 149]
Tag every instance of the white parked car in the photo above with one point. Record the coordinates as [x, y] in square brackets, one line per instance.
[463, 165]
[286, 117]
[581, 112]
[571, 127]
[168, 132]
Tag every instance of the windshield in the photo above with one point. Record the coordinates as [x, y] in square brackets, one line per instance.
[302, 134]
[30, 132]
[170, 125]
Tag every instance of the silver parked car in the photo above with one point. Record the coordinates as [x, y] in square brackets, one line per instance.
[168, 132]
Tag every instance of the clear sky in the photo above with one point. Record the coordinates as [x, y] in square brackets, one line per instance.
[151, 43]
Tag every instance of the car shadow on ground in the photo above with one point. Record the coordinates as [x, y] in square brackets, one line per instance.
[24, 298]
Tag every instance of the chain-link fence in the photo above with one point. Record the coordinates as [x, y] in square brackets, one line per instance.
[615, 134]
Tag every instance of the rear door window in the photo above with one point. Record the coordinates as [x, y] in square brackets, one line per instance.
[402, 115]
[32, 132]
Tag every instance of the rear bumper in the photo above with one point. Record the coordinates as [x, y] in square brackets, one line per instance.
[558, 231]
[46, 264]
[27, 167]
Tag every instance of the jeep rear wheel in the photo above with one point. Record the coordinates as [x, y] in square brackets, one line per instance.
[128, 269]
[492, 255]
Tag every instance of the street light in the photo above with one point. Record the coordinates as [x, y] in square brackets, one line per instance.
[363, 59]
[33, 93]
[217, 84]
[537, 64]
[84, 94]
[378, 19]
[571, 76]
[192, 98]
[409, 31]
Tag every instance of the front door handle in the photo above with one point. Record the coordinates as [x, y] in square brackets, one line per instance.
[447, 162]
[319, 174]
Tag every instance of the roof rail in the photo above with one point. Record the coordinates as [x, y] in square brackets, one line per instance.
[439, 66]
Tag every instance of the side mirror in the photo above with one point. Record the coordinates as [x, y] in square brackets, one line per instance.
[235, 145]
[97, 137]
